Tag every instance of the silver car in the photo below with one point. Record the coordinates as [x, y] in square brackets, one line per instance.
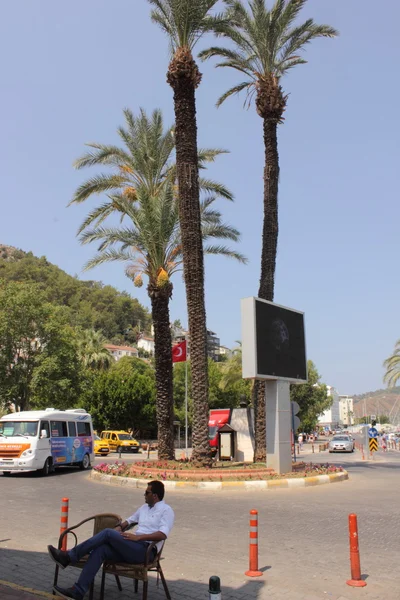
[341, 443]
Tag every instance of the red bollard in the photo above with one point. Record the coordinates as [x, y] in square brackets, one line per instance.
[355, 580]
[253, 546]
[64, 521]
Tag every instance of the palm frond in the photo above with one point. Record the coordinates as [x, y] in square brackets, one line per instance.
[265, 42]
[111, 255]
[234, 90]
[215, 188]
[185, 21]
[102, 155]
[97, 185]
[225, 251]
[208, 155]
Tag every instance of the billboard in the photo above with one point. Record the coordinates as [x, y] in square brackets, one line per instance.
[273, 342]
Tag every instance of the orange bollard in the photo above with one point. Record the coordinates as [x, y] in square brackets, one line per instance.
[355, 580]
[64, 521]
[253, 546]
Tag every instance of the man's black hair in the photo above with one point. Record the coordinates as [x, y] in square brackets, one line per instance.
[157, 487]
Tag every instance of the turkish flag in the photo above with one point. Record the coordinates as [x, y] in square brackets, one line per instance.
[179, 352]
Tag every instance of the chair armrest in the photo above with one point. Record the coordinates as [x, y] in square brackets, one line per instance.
[130, 526]
[147, 558]
[71, 530]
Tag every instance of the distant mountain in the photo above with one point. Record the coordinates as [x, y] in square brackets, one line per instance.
[91, 304]
[382, 402]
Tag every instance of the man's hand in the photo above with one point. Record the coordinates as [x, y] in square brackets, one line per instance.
[131, 536]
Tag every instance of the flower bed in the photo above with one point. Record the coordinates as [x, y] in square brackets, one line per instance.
[184, 471]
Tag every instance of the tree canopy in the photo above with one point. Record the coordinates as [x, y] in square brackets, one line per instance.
[39, 364]
[89, 304]
[312, 397]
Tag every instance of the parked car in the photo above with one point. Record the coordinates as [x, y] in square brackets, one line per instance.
[341, 443]
[101, 446]
[353, 441]
[120, 441]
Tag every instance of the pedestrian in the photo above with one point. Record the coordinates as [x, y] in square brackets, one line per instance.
[155, 520]
[300, 440]
[384, 442]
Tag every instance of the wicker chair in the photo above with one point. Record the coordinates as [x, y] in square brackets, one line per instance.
[136, 572]
[100, 522]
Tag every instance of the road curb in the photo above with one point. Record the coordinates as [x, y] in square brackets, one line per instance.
[26, 590]
[271, 484]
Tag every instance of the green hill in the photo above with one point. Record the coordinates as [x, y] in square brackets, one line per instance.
[91, 303]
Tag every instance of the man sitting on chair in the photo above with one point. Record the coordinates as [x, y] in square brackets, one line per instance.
[155, 520]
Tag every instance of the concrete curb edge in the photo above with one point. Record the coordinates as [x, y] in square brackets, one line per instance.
[296, 482]
[21, 588]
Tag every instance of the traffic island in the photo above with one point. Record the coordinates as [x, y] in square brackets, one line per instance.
[182, 474]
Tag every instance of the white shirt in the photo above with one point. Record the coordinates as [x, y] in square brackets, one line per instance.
[158, 518]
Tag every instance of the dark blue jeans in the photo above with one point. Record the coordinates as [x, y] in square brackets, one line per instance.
[108, 545]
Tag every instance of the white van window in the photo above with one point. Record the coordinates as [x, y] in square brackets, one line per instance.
[83, 429]
[71, 429]
[19, 428]
[45, 425]
[58, 429]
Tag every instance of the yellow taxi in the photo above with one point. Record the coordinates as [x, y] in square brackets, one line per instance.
[100, 446]
[120, 441]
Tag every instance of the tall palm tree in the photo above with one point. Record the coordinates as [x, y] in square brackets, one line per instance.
[266, 45]
[142, 182]
[150, 244]
[92, 350]
[392, 366]
[185, 22]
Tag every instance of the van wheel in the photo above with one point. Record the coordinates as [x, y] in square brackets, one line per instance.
[85, 464]
[47, 467]
[119, 449]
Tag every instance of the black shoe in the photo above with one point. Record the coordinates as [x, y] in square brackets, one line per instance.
[68, 592]
[60, 557]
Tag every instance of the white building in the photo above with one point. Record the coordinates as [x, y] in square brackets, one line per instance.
[224, 351]
[119, 351]
[146, 343]
[331, 417]
[346, 410]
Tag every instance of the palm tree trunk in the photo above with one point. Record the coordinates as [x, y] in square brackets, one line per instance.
[163, 372]
[268, 261]
[184, 77]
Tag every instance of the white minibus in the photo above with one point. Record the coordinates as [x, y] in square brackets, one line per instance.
[40, 440]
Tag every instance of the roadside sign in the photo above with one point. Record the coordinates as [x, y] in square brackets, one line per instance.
[296, 423]
[372, 432]
[373, 445]
[295, 407]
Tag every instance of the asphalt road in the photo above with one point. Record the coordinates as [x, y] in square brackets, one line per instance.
[303, 536]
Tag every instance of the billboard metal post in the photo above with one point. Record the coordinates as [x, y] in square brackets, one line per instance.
[278, 415]
[293, 433]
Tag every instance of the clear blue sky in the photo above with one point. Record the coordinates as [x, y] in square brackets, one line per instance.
[68, 69]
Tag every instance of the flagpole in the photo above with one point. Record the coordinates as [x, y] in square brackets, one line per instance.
[186, 407]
